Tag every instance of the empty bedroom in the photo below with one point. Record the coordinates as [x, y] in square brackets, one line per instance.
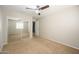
[42, 29]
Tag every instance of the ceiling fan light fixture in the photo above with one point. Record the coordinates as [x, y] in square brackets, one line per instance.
[37, 8]
[37, 11]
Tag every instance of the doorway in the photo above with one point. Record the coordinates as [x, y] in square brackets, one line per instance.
[17, 30]
[33, 28]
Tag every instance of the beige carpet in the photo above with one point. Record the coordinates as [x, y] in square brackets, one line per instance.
[36, 45]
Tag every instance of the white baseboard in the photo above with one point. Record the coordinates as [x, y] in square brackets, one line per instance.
[1, 48]
[3, 45]
[60, 42]
[66, 44]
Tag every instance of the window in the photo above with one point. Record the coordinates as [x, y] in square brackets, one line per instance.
[19, 25]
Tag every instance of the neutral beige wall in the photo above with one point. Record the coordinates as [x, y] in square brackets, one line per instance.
[3, 29]
[61, 25]
[0, 30]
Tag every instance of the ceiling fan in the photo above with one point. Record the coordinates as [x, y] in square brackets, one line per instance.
[37, 8]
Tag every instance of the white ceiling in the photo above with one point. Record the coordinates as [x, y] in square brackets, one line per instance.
[21, 8]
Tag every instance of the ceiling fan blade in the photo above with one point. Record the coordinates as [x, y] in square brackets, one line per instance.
[30, 8]
[42, 8]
